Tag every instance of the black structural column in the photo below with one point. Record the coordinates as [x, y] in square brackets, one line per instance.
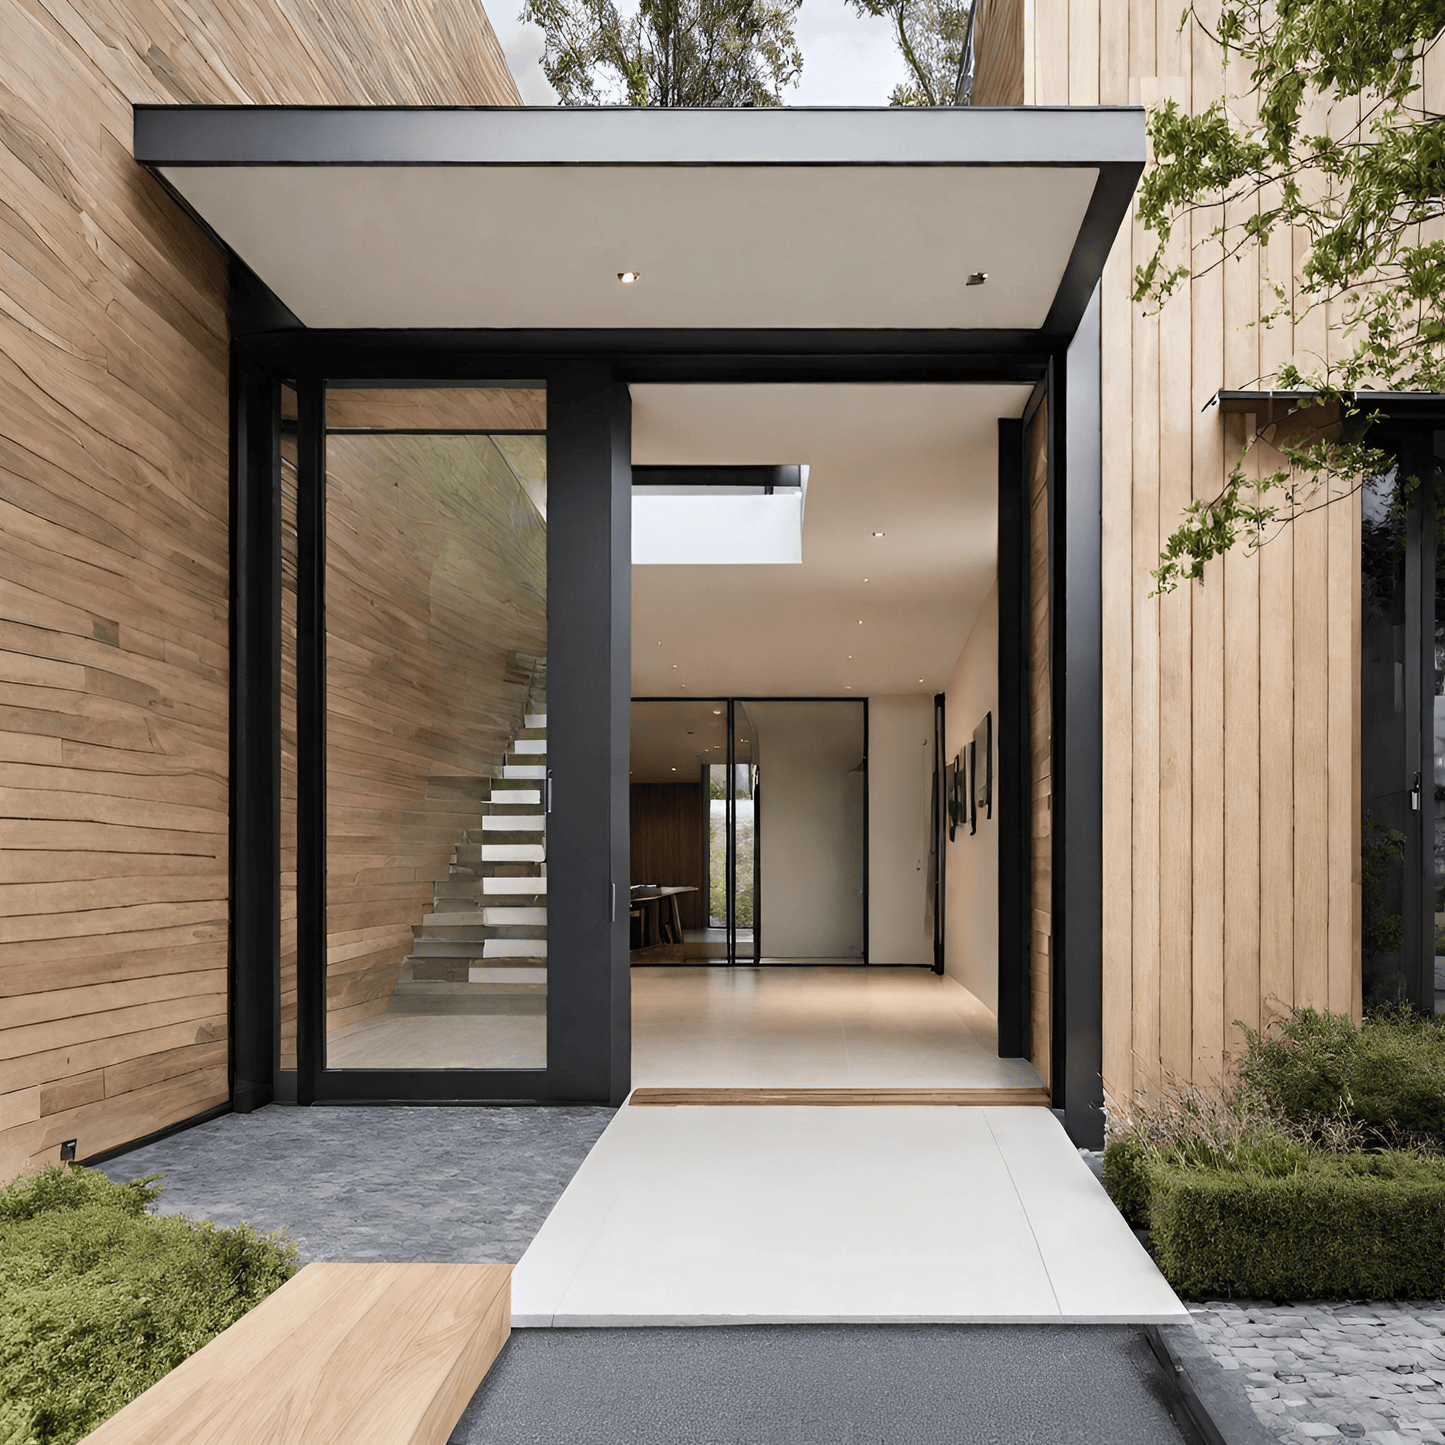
[1079, 738]
[255, 731]
[311, 839]
[1012, 787]
[589, 706]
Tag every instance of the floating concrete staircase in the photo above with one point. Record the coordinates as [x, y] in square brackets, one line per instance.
[486, 932]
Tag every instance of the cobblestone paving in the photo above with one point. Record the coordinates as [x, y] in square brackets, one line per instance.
[1315, 1371]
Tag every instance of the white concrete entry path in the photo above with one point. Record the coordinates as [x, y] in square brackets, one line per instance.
[705, 1215]
[814, 1026]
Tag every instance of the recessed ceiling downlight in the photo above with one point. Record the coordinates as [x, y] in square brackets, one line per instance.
[977, 278]
[628, 277]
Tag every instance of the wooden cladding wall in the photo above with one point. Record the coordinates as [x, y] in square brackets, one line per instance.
[436, 614]
[667, 843]
[998, 77]
[113, 546]
[1041, 753]
[1231, 710]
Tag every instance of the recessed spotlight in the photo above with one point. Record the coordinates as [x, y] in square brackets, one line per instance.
[628, 277]
[850, 657]
[674, 667]
[674, 770]
[717, 712]
[847, 687]
[976, 278]
[865, 579]
[860, 622]
[880, 534]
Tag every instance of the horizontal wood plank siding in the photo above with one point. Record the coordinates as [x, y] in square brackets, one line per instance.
[114, 573]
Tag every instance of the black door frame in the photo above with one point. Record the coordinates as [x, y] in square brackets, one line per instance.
[587, 375]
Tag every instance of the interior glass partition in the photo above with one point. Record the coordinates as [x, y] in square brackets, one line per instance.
[436, 773]
[672, 748]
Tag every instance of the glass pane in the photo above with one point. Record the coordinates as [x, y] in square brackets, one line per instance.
[745, 853]
[436, 672]
[287, 989]
[1385, 787]
[1437, 791]
[673, 747]
[809, 845]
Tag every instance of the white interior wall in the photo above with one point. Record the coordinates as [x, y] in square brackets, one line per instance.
[811, 836]
[971, 883]
[900, 767]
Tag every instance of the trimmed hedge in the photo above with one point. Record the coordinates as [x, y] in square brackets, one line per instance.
[1345, 1226]
[99, 1298]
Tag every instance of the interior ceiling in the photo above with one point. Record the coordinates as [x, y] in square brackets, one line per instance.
[669, 740]
[918, 463]
[717, 246]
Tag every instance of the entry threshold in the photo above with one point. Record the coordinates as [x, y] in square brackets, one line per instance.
[733, 1214]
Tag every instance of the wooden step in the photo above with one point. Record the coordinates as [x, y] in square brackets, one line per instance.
[847, 1098]
[342, 1354]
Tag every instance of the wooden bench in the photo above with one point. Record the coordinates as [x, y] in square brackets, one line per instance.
[344, 1353]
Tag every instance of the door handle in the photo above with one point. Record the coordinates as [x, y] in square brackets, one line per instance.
[1415, 794]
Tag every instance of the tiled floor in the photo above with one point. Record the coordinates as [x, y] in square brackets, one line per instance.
[442, 1041]
[824, 1027]
[715, 1215]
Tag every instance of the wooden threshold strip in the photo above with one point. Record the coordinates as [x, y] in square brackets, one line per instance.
[993, 1098]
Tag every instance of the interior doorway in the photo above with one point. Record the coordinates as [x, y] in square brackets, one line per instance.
[749, 831]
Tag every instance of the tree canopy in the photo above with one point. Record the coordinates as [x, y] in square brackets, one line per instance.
[670, 52]
[930, 35]
[1334, 143]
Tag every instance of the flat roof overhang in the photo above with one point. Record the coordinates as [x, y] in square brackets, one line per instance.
[847, 230]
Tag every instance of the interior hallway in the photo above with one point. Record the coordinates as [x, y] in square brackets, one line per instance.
[814, 1027]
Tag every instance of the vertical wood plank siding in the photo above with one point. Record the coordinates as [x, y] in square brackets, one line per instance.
[113, 546]
[1231, 710]
[1041, 753]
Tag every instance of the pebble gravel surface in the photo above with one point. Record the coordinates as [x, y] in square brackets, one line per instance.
[1323, 1371]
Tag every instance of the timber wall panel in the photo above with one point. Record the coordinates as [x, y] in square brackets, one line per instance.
[1041, 754]
[666, 836]
[1231, 709]
[113, 546]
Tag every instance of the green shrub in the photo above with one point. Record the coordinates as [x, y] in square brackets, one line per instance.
[1386, 1073]
[1125, 1178]
[99, 1297]
[1340, 1226]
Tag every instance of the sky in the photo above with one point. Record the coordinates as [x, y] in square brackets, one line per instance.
[846, 61]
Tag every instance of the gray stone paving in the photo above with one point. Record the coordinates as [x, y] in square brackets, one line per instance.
[1324, 1371]
[397, 1184]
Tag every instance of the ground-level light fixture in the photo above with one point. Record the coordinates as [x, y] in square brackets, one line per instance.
[628, 277]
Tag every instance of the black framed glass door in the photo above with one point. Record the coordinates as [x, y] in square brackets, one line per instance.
[397, 715]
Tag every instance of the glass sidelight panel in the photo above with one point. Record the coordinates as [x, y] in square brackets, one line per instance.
[436, 729]
[743, 830]
[673, 745]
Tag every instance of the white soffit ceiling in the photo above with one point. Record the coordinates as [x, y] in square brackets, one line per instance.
[918, 463]
[768, 246]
